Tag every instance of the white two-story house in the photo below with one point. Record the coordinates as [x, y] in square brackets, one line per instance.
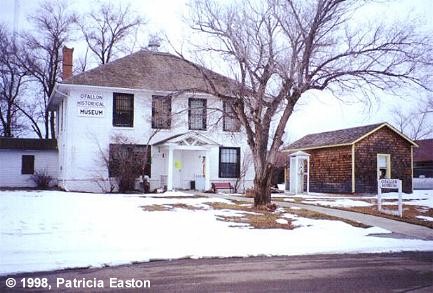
[148, 99]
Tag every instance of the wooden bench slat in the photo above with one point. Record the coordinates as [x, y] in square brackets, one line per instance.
[221, 185]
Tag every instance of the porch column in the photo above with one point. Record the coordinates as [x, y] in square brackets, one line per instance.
[207, 172]
[170, 168]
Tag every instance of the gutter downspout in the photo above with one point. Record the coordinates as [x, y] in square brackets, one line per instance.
[353, 168]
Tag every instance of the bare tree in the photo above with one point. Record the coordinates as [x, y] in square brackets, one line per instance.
[280, 49]
[124, 160]
[414, 123]
[12, 82]
[245, 165]
[110, 30]
[42, 55]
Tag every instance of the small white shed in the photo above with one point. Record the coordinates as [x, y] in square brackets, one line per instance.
[20, 158]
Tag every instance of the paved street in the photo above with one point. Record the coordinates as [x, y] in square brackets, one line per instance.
[398, 272]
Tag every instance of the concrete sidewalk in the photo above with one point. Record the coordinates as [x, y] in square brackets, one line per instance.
[398, 228]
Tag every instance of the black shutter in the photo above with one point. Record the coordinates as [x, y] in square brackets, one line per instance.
[238, 167]
[169, 112]
[204, 114]
[189, 113]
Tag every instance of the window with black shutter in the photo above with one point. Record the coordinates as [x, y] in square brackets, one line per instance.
[123, 110]
[229, 162]
[28, 164]
[161, 112]
[197, 114]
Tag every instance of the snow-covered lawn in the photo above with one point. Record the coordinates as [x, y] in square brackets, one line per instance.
[418, 197]
[52, 230]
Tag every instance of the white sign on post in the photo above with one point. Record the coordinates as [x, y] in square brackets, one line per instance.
[389, 184]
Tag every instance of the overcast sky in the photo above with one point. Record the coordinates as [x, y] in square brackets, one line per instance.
[318, 111]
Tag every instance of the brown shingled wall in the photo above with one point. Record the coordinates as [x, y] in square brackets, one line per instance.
[383, 141]
[330, 170]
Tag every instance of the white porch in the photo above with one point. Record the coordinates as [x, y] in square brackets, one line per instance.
[299, 173]
[188, 160]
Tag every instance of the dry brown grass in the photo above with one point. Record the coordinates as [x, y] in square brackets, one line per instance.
[259, 221]
[256, 218]
[169, 207]
[267, 220]
[227, 206]
[177, 197]
[319, 216]
[410, 213]
[156, 208]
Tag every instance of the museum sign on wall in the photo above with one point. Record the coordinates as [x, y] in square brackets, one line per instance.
[91, 105]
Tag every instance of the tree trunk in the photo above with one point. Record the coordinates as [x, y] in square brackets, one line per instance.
[262, 186]
[47, 125]
[52, 125]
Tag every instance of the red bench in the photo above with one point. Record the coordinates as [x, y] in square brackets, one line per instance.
[221, 185]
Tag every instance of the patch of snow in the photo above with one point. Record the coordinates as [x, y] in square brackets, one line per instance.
[425, 218]
[316, 195]
[50, 230]
[168, 194]
[290, 216]
[233, 213]
[342, 203]
[418, 197]
[285, 195]
[282, 221]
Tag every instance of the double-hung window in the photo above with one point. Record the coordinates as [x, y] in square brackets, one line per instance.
[123, 110]
[230, 121]
[229, 162]
[197, 114]
[161, 112]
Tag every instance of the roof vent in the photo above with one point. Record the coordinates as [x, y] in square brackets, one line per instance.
[154, 43]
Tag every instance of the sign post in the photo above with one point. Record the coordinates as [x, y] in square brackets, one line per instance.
[390, 184]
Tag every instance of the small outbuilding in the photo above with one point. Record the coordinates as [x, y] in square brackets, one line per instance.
[352, 160]
[423, 159]
[20, 158]
[423, 164]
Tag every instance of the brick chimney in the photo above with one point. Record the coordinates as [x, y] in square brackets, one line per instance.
[67, 62]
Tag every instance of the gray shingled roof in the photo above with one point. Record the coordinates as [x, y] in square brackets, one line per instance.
[152, 71]
[337, 137]
[27, 143]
